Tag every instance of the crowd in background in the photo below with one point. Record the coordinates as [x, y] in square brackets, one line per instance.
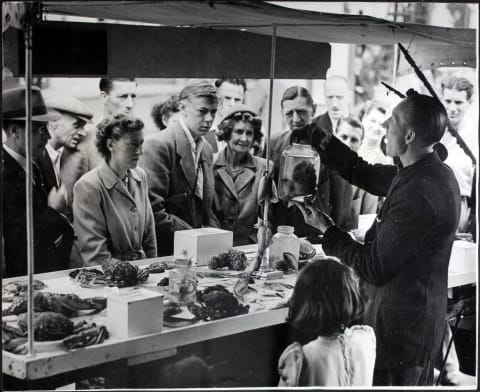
[107, 190]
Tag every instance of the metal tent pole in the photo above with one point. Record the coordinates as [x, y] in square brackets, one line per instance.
[29, 178]
[265, 265]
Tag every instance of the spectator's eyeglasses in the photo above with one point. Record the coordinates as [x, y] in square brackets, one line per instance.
[245, 116]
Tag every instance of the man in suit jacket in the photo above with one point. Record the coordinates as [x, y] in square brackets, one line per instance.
[61, 162]
[336, 92]
[333, 197]
[337, 99]
[52, 232]
[406, 252]
[178, 163]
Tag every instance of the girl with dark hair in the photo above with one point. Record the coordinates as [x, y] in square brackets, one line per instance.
[326, 308]
[112, 212]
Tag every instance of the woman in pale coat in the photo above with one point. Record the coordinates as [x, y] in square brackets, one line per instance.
[238, 173]
[112, 212]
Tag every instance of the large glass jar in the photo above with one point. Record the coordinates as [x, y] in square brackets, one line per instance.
[299, 169]
[284, 241]
[182, 286]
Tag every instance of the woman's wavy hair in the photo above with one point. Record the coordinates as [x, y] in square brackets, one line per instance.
[114, 129]
[227, 125]
[326, 299]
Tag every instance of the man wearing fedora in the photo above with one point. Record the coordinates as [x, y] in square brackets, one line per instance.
[61, 162]
[53, 234]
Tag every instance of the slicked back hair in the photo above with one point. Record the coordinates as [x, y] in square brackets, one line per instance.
[106, 84]
[353, 122]
[297, 91]
[237, 81]
[200, 88]
[425, 115]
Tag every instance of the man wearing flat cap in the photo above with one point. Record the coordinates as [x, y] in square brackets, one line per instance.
[53, 234]
[61, 162]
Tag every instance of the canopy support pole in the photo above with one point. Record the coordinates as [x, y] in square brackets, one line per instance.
[29, 177]
[265, 263]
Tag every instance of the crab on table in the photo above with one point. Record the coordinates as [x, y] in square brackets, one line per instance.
[88, 277]
[19, 287]
[85, 334]
[122, 273]
[216, 302]
[49, 326]
[66, 304]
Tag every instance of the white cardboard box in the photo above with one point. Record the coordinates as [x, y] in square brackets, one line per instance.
[463, 257]
[202, 244]
[133, 312]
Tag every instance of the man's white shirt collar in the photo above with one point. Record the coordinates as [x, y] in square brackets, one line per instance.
[189, 134]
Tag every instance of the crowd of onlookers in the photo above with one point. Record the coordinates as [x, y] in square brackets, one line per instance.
[106, 190]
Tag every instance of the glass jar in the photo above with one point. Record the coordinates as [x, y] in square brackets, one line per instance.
[284, 241]
[182, 286]
[299, 170]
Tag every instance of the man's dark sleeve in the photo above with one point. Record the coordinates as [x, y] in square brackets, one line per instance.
[397, 239]
[375, 179]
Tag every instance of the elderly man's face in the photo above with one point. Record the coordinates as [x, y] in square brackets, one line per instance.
[456, 103]
[121, 99]
[337, 98]
[198, 114]
[230, 95]
[67, 132]
[297, 112]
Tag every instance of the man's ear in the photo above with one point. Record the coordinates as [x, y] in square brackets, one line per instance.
[314, 109]
[409, 136]
[109, 143]
[52, 126]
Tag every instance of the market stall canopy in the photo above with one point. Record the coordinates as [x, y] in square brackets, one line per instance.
[242, 29]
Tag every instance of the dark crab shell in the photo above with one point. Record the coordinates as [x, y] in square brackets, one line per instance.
[48, 325]
[123, 274]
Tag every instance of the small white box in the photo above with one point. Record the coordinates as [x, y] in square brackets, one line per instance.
[202, 244]
[463, 257]
[134, 312]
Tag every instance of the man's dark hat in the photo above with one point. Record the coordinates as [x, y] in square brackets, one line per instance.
[13, 105]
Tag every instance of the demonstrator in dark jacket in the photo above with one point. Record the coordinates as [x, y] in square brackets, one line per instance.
[407, 250]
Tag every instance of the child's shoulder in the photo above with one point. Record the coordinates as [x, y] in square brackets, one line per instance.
[360, 331]
[361, 336]
[290, 365]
